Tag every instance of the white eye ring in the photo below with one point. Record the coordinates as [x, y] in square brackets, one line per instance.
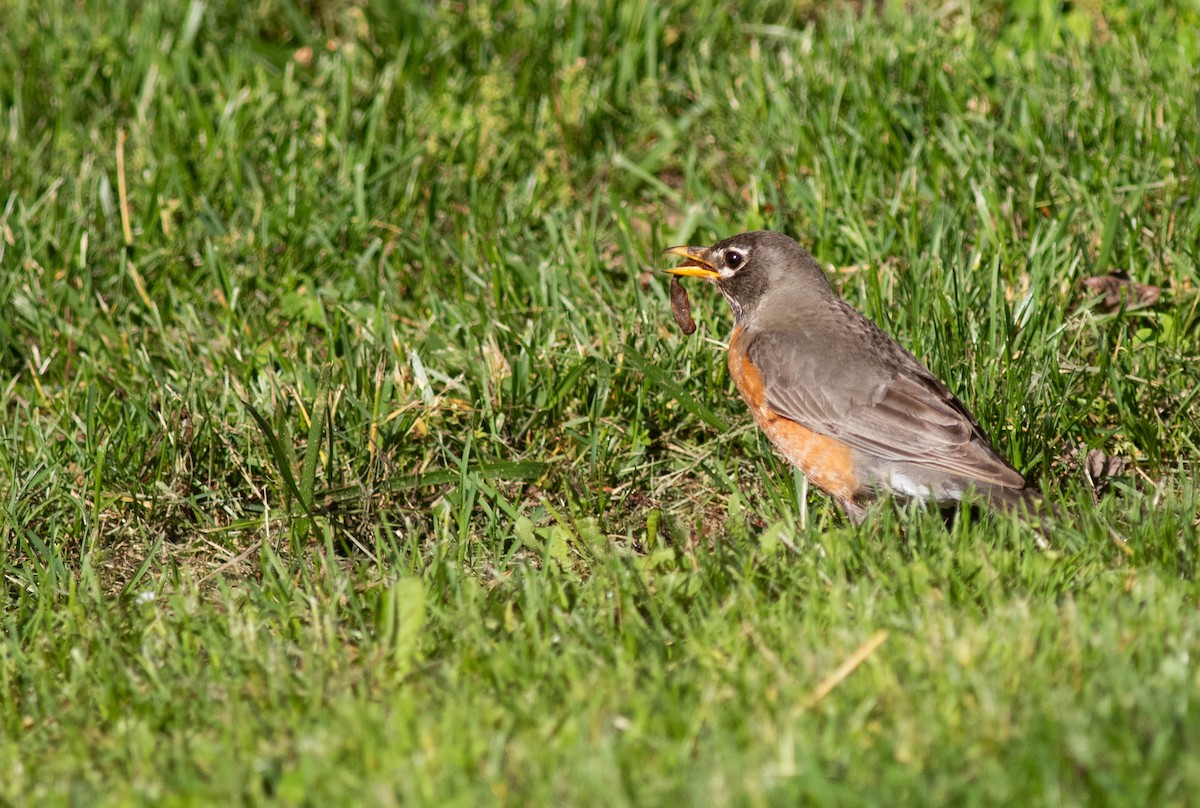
[734, 259]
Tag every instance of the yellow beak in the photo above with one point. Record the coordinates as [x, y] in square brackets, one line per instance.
[698, 265]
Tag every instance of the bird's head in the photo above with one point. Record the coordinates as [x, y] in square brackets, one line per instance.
[749, 266]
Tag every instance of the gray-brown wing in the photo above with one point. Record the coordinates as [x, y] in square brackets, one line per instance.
[875, 396]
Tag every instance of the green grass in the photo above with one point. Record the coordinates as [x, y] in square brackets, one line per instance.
[350, 454]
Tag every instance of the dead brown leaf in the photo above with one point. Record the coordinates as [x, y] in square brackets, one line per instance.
[1118, 289]
[1100, 468]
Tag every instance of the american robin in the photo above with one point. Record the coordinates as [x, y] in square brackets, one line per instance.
[839, 398]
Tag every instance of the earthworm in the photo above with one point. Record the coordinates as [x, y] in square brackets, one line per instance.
[681, 307]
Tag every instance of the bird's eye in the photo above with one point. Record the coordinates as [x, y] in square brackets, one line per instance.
[733, 259]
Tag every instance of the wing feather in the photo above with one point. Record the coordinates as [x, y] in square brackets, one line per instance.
[879, 399]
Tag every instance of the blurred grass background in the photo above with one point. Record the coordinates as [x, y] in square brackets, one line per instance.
[350, 454]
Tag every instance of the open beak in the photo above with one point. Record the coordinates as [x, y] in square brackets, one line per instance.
[697, 264]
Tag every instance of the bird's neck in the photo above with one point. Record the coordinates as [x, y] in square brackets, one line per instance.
[740, 312]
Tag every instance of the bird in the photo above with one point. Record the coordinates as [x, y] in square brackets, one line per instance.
[838, 398]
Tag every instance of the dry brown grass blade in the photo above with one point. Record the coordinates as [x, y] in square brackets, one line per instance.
[845, 669]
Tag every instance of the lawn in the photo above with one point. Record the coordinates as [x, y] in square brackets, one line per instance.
[350, 453]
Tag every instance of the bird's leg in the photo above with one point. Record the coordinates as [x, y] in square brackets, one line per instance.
[856, 513]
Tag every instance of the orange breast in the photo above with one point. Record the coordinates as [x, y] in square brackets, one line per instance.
[827, 462]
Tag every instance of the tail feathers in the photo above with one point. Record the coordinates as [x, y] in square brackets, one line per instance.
[1028, 504]
[1025, 502]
